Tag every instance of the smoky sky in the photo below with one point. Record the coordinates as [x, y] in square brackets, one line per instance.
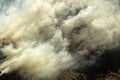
[40, 38]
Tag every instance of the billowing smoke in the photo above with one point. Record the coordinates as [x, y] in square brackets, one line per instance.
[40, 38]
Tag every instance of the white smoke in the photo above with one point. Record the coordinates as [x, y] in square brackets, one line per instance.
[43, 37]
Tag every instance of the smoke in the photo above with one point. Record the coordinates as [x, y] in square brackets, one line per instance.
[43, 37]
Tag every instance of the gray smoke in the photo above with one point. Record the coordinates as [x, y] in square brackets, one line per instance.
[43, 37]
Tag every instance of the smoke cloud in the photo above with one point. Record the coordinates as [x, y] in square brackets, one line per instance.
[40, 38]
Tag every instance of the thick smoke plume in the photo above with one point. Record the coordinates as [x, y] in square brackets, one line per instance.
[40, 38]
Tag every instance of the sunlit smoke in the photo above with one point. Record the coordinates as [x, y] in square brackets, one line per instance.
[43, 37]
